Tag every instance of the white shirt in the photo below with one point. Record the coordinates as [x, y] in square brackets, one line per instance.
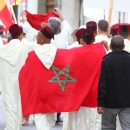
[101, 37]
[75, 44]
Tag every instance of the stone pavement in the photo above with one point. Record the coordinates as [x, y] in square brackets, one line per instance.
[31, 125]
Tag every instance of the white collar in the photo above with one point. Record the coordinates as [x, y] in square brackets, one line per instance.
[103, 34]
[126, 40]
[46, 54]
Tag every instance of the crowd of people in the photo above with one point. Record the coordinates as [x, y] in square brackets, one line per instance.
[113, 98]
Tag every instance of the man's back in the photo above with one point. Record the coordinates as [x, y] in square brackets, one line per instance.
[114, 87]
[101, 37]
[12, 57]
[117, 67]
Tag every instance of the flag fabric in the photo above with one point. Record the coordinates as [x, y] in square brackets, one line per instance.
[71, 81]
[16, 2]
[5, 15]
[35, 20]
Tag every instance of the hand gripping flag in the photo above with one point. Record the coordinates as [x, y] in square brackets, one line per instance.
[71, 82]
[35, 20]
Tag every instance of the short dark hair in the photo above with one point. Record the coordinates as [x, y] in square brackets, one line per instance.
[88, 36]
[16, 37]
[103, 25]
[124, 34]
[87, 41]
[78, 40]
[117, 42]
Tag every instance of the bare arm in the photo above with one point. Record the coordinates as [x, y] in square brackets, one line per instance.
[28, 30]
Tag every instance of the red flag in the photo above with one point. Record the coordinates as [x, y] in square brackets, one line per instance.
[35, 20]
[70, 83]
[5, 16]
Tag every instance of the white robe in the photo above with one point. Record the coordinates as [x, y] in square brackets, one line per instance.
[46, 54]
[84, 119]
[1, 44]
[60, 40]
[12, 57]
[75, 44]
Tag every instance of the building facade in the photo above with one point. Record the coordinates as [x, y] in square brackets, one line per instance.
[72, 9]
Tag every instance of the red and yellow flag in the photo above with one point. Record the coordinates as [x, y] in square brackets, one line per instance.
[16, 2]
[5, 15]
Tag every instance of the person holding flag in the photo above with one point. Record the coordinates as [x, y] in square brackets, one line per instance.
[55, 83]
[85, 117]
[45, 121]
[62, 29]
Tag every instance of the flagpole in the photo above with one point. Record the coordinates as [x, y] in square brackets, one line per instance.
[110, 12]
[13, 14]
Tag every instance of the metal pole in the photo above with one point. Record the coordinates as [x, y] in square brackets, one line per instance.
[104, 14]
[119, 17]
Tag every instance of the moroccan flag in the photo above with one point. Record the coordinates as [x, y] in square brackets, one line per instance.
[5, 15]
[35, 20]
[71, 81]
[16, 2]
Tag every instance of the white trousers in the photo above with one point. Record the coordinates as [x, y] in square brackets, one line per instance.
[83, 119]
[12, 115]
[44, 121]
[11, 106]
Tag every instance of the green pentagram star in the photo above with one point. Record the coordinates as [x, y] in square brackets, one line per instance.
[65, 72]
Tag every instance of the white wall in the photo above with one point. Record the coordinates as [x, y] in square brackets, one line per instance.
[71, 11]
[32, 6]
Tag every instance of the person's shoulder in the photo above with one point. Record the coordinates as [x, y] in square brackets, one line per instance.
[116, 53]
[108, 56]
[31, 54]
[126, 52]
